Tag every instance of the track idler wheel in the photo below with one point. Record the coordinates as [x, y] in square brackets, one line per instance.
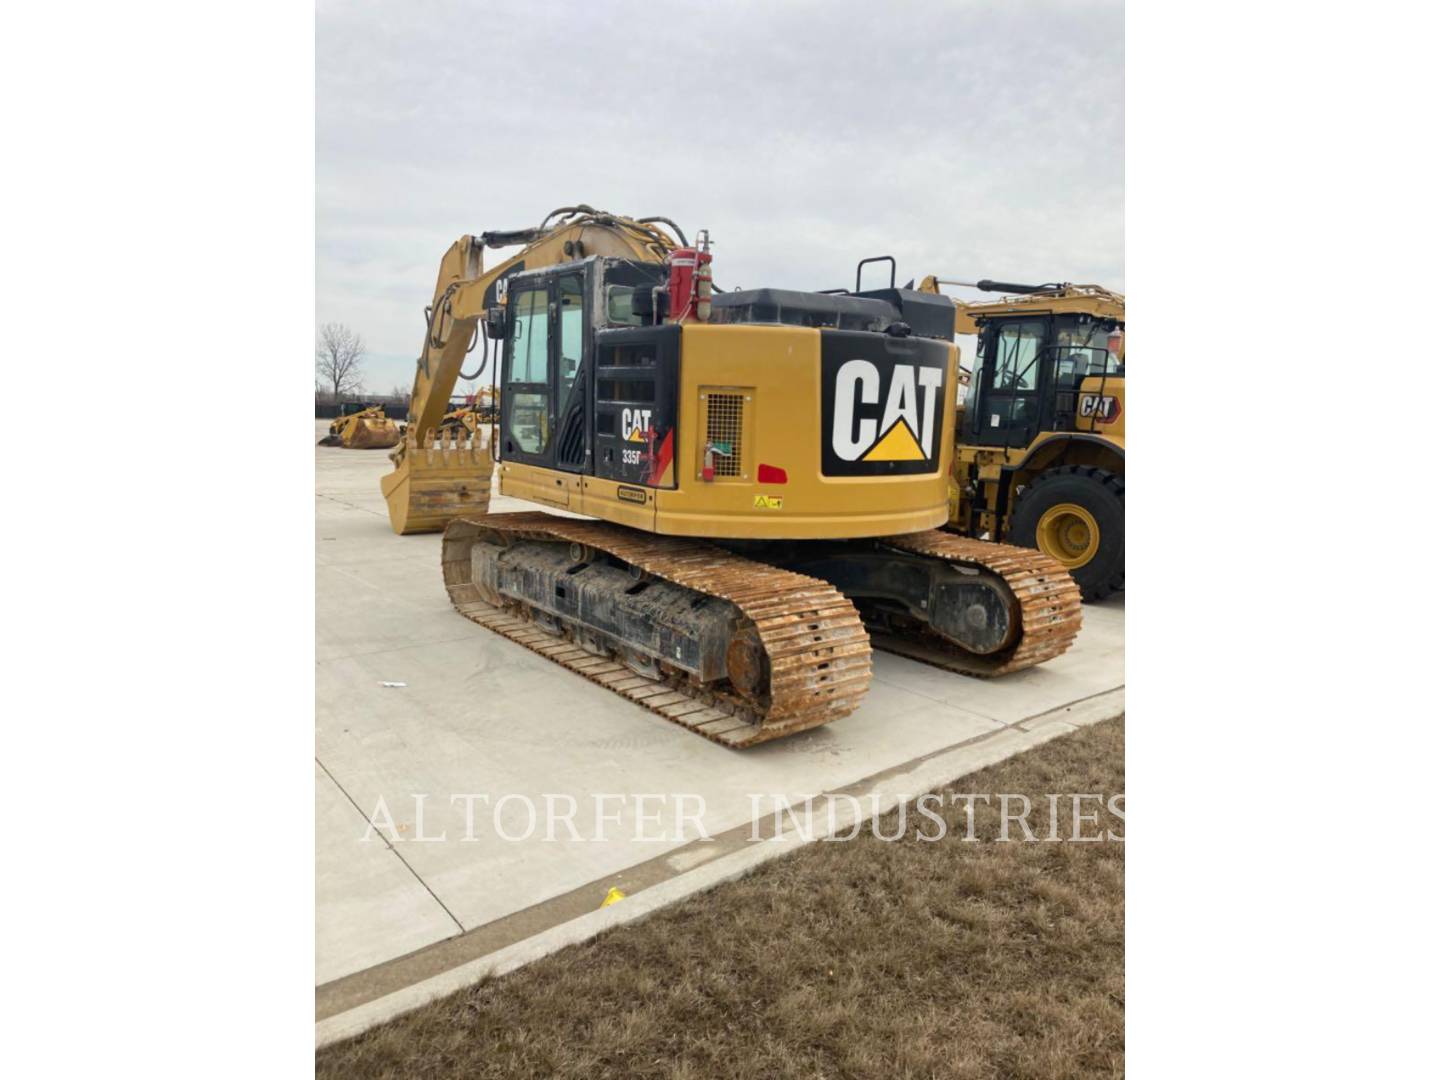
[748, 666]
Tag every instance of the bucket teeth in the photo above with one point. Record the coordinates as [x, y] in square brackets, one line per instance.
[445, 477]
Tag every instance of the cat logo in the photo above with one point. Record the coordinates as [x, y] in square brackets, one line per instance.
[882, 415]
[1103, 410]
[769, 502]
[634, 423]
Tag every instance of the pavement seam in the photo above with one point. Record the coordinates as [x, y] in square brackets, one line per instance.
[388, 844]
[352, 506]
[1068, 705]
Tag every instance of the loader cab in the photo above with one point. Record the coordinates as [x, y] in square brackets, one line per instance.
[1028, 374]
[547, 361]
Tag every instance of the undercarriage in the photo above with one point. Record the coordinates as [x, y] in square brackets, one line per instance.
[758, 640]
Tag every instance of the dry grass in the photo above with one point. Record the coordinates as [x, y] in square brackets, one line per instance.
[849, 960]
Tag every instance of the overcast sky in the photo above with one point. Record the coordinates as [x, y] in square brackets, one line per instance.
[967, 139]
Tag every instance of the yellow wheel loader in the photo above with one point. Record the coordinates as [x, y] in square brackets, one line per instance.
[761, 475]
[367, 429]
[1040, 459]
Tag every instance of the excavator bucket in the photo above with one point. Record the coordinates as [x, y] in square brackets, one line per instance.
[434, 483]
[368, 429]
[371, 433]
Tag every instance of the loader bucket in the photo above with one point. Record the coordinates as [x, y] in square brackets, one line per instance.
[372, 433]
[434, 483]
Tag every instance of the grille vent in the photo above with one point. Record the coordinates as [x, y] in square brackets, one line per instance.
[724, 422]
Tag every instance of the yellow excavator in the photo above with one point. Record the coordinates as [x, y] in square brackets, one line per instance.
[762, 475]
[1040, 459]
[365, 429]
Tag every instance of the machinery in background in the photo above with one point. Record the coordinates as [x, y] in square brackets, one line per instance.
[1040, 455]
[366, 429]
[768, 469]
[477, 411]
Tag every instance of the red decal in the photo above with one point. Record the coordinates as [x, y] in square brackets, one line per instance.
[661, 461]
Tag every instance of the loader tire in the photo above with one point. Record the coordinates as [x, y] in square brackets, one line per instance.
[1076, 515]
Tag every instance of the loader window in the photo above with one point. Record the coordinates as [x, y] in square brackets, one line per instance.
[1016, 352]
[1083, 349]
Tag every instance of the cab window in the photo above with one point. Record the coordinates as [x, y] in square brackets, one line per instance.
[1017, 349]
[1084, 349]
[529, 339]
[528, 386]
[572, 333]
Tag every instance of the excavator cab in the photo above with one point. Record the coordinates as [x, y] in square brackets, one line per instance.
[548, 364]
[443, 468]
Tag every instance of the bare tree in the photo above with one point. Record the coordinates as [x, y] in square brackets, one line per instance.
[338, 358]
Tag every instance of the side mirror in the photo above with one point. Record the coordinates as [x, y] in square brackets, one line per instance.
[495, 323]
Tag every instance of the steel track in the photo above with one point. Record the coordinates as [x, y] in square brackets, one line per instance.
[817, 649]
[1045, 594]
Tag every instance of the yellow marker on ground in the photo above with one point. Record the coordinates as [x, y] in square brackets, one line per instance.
[612, 897]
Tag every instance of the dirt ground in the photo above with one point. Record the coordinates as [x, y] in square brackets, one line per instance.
[863, 958]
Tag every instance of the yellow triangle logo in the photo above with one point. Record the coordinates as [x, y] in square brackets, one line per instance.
[636, 435]
[899, 444]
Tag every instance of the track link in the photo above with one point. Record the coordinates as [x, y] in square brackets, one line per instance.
[1046, 595]
[817, 648]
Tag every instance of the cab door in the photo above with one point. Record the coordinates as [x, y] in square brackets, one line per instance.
[527, 395]
[572, 374]
[543, 419]
[1008, 412]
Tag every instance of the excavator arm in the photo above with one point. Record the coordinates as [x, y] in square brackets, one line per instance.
[425, 490]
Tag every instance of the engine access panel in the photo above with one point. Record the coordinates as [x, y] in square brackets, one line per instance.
[637, 384]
